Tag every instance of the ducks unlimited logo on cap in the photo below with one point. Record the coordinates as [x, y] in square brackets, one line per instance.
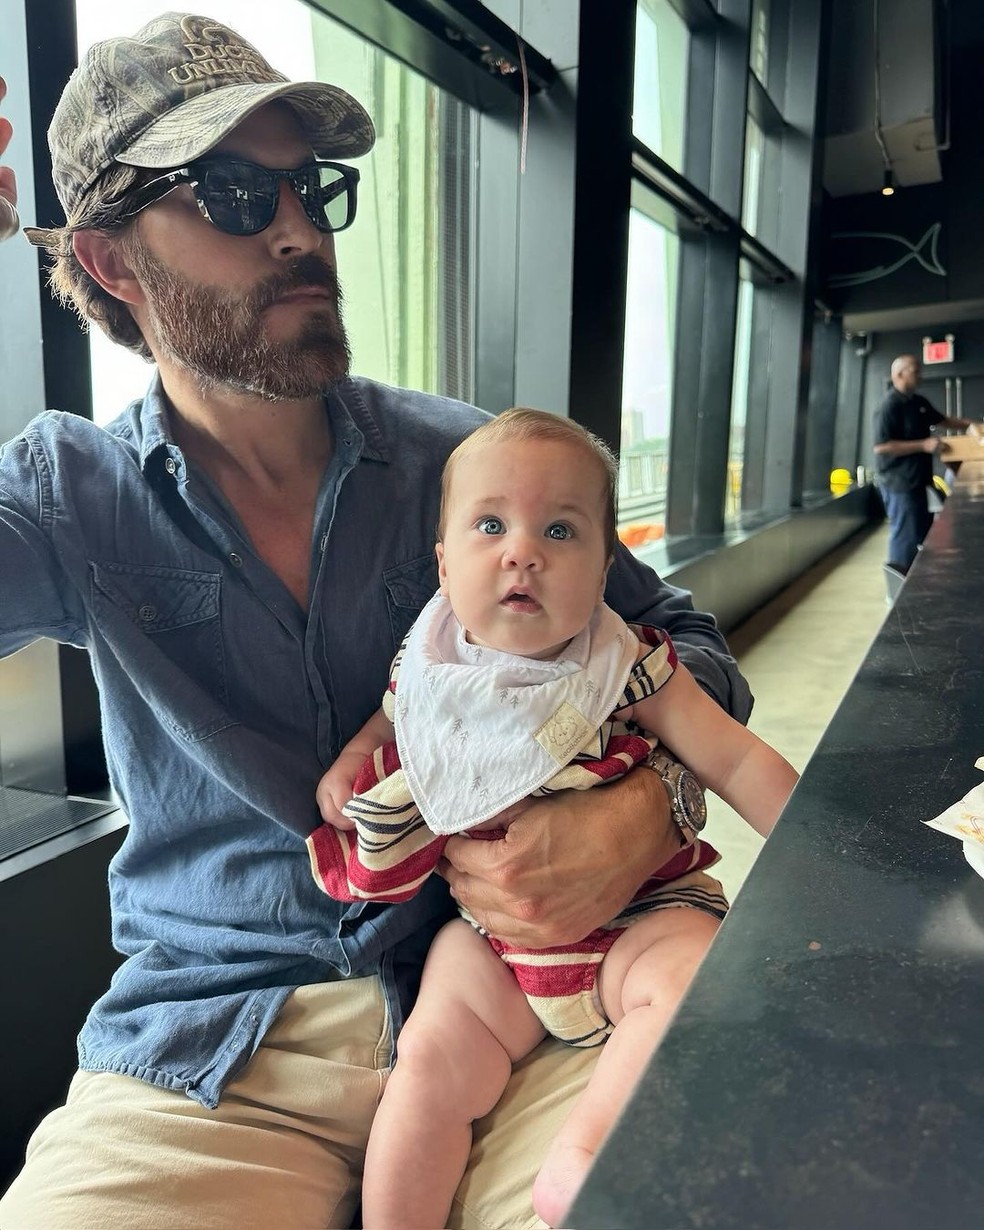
[172, 92]
[211, 53]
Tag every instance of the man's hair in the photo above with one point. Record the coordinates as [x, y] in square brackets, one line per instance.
[521, 423]
[106, 210]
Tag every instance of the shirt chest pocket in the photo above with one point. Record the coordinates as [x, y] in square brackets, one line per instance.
[164, 624]
[409, 587]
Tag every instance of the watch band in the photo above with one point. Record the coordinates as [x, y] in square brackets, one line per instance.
[688, 806]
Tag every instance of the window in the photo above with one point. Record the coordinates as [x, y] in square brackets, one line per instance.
[406, 264]
[647, 378]
[759, 50]
[660, 81]
[739, 404]
[752, 180]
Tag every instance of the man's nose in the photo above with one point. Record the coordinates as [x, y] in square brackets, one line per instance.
[292, 233]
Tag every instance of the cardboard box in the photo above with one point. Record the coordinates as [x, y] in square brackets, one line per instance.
[961, 448]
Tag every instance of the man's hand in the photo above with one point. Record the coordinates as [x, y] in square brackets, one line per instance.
[9, 222]
[567, 864]
[932, 443]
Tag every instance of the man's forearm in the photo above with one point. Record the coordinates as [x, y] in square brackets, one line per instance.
[960, 424]
[658, 836]
[640, 596]
[901, 448]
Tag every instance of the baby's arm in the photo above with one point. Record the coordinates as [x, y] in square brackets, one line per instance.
[335, 787]
[748, 774]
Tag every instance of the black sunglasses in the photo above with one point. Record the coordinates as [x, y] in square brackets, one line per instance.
[241, 197]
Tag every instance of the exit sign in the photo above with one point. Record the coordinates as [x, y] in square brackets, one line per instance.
[938, 352]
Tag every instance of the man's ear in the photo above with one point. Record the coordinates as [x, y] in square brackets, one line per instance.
[442, 572]
[100, 256]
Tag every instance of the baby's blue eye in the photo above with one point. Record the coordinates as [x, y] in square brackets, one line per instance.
[559, 531]
[489, 525]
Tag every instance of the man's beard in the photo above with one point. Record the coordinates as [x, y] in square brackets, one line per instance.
[219, 335]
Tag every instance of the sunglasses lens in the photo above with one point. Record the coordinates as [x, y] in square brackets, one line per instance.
[240, 198]
[328, 196]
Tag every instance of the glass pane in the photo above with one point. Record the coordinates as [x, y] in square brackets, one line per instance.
[406, 263]
[647, 379]
[752, 184]
[759, 50]
[659, 103]
[739, 404]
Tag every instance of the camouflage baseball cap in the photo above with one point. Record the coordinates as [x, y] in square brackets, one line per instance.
[172, 92]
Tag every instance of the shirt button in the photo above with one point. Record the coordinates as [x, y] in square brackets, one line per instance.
[235, 560]
[147, 612]
[170, 465]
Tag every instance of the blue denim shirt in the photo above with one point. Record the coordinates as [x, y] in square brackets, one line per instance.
[223, 702]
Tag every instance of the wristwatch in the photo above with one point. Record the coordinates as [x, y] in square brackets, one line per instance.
[688, 807]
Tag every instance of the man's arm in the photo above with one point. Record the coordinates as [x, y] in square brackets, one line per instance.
[930, 444]
[972, 426]
[569, 863]
[901, 448]
[33, 603]
[639, 595]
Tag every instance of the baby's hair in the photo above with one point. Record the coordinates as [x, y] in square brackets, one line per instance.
[521, 423]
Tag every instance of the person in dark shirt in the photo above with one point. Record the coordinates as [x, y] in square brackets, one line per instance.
[904, 448]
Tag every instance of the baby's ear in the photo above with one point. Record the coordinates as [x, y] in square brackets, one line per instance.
[442, 572]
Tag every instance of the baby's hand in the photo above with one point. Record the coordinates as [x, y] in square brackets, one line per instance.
[334, 791]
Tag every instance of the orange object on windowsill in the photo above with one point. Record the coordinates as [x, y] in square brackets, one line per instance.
[638, 534]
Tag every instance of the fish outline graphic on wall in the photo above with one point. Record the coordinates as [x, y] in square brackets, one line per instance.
[925, 253]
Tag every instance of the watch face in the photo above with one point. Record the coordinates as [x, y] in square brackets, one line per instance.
[692, 801]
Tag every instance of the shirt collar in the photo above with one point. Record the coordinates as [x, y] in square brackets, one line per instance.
[155, 433]
[350, 395]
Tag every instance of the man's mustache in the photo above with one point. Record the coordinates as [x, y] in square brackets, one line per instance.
[301, 273]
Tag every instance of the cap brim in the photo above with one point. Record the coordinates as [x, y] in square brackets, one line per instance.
[333, 121]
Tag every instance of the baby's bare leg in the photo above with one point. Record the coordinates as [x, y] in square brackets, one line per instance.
[641, 981]
[471, 1023]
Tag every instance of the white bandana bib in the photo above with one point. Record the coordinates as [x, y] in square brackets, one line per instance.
[478, 730]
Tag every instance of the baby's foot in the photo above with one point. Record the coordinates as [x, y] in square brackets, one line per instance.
[559, 1181]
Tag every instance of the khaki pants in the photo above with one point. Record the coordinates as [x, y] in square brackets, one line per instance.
[284, 1148]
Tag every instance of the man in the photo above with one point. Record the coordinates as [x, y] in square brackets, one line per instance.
[241, 553]
[904, 451]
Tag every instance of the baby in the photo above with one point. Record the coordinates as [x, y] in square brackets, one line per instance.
[515, 680]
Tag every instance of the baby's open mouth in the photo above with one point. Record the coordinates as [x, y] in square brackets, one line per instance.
[519, 600]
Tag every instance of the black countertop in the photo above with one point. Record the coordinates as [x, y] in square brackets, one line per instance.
[826, 1070]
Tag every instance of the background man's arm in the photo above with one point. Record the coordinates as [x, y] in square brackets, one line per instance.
[900, 448]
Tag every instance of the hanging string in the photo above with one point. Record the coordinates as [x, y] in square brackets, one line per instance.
[525, 129]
